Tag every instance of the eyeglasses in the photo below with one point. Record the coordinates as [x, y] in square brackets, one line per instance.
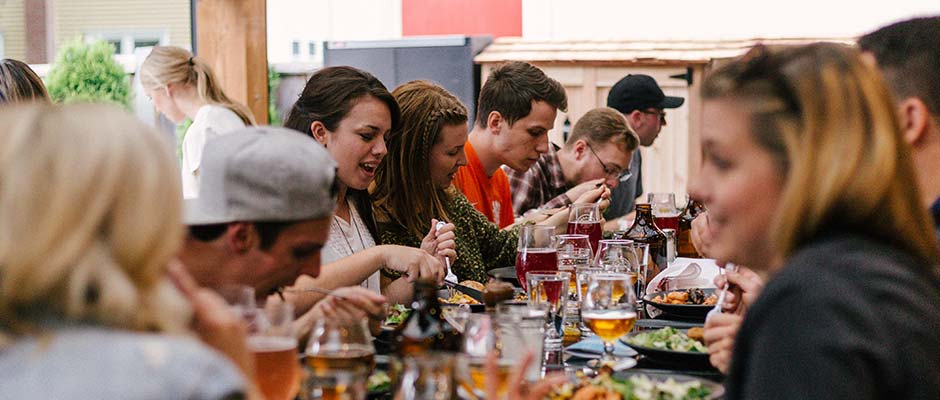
[622, 175]
[662, 115]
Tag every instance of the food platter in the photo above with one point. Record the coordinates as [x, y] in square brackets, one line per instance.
[688, 311]
[654, 345]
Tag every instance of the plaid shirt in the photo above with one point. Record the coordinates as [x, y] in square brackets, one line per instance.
[542, 186]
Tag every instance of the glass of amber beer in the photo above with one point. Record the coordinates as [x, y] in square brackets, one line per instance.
[609, 309]
[274, 346]
[339, 358]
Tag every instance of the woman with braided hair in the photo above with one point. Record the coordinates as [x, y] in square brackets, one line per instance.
[183, 86]
[413, 185]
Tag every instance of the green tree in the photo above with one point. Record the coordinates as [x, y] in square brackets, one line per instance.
[274, 80]
[88, 72]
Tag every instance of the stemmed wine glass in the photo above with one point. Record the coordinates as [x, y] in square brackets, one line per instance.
[609, 310]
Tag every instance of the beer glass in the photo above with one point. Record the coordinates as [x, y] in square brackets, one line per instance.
[665, 212]
[585, 219]
[274, 347]
[521, 330]
[479, 340]
[536, 251]
[338, 352]
[609, 310]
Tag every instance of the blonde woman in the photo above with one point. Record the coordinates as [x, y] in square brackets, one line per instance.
[808, 181]
[183, 86]
[89, 221]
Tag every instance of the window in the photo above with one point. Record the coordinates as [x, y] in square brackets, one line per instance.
[2, 52]
[312, 48]
[127, 42]
[295, 48]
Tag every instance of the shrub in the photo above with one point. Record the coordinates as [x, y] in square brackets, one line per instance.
[88, 72]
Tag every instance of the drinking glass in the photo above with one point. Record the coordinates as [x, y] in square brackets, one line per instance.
[521, 330]
[479, 340]
[573, 251]
[642, 251]
[550, 289]
[339, 358]
[274, 346]
[665, 212]
[536, 251]
[241, 299]
[609, 310]
[618, 255]
[585, 218]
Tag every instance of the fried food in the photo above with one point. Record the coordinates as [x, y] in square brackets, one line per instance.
[459, 298]
[696, 333]
[687, 296]
[473, 285]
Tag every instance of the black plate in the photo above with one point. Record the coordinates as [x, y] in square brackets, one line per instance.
[717, 390]
[688, 311]
[670, 358]
[505, 274]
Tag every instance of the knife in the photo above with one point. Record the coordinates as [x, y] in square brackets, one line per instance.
[469, 291]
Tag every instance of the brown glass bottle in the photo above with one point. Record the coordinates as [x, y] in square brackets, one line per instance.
[425, 329]
[684, 245]
[644, 230]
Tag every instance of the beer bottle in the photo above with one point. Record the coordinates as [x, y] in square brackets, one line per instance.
[684, 245]
[425, 329]
[644, 230]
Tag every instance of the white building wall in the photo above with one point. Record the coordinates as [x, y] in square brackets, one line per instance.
[718, 19]
[315, 21]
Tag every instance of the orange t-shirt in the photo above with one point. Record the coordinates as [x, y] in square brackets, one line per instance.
[489, 195]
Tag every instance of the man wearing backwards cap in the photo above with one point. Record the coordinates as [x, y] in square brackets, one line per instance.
[263, 214]
[641, 101]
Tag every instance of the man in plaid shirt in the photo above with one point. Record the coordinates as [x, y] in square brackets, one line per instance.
[598, 152]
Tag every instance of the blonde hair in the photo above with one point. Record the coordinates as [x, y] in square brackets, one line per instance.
[828, 119]
[403, 188]
[170, 64]
[90, 211]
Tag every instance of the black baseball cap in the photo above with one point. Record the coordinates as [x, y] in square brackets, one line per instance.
[636, 92]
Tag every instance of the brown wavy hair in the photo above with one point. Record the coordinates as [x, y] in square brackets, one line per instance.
[18, 83]
[403, 190]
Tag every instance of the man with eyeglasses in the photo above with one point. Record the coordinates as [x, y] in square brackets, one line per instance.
[597, 152]
[642, 102]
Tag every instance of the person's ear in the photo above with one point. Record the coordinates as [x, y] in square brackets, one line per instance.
[914, 118]
[494, 121]
[319, 132]
[579, 147]
[241, 236]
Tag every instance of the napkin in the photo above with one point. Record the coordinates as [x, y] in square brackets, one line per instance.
[684, 273]
[593, 347]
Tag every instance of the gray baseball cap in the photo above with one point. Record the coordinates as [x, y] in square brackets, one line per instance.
[263, 174]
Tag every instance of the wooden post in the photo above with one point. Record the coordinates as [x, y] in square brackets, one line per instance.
[231, 35]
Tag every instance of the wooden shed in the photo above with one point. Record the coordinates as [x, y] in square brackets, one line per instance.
[588, 69]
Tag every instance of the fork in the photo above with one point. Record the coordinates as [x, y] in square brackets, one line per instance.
[721, 296]
[451, 277]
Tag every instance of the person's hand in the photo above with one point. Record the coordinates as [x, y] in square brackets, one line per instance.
[582, 188]
[348, 306]
[720, 332]
[213, 320]
[440, 243]
[414, 263]
[746, 286]
[591, 196]
[702, 235]
[517, 388]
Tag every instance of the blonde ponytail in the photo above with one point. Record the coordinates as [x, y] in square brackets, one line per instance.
[169, 64]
